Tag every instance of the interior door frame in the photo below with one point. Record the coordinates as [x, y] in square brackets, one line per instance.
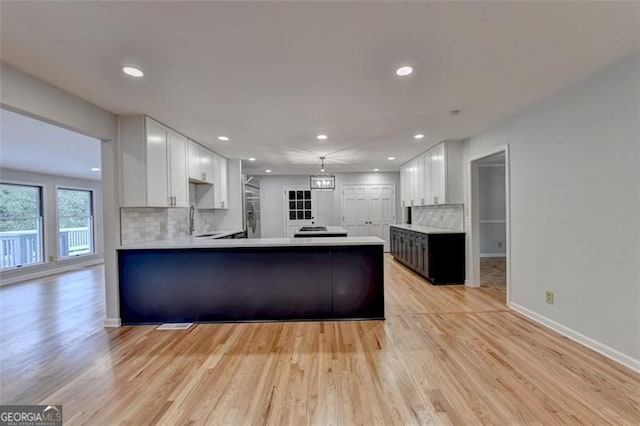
[473, 231]
[395, 206]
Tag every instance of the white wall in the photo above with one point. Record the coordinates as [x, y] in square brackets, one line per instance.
[28, 95]
[575, 208]
[49, 183]
[272, 205]
[493, 230]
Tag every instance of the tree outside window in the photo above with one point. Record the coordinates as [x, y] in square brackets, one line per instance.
[21, 238]
[75, 222]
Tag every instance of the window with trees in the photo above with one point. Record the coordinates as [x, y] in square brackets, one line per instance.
[75, 222]
[21, 239]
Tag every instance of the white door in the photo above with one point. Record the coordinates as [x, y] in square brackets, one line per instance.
[355, 210]
[382, 211]
[299, 208]
[368, 210]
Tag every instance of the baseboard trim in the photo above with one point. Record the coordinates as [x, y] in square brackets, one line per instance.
[493, 254]
[601, 348]
[52, 271]
[112, 322]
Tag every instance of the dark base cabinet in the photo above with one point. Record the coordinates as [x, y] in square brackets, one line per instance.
[251, 284]
[438, 257]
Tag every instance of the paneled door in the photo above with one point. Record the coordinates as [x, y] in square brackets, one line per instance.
[368, 210]
[299, 208]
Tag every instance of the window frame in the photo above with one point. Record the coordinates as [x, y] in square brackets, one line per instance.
[42, 219]
[92, 230]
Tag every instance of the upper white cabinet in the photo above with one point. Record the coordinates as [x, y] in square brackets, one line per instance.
[154, 164]
[200, 164]
[220, 185]
[434, 177]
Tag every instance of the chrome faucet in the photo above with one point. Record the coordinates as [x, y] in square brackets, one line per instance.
[192, 211]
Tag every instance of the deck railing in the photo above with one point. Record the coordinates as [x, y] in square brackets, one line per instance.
[19, 248]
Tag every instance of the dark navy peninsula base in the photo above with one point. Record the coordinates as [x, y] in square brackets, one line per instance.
[251, 284]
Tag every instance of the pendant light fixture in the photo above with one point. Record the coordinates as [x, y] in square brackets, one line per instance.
[323, 181]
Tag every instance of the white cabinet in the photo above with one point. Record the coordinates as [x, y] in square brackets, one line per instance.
[177, 165]
[434, 177]
[200, 164]
[154, 164]
[220, 184]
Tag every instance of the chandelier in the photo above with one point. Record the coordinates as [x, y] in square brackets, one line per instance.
[323, 181]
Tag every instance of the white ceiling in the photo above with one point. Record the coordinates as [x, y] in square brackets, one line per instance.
[36, 146]
[272, 75]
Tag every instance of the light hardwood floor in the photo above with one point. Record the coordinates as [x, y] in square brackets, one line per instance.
[445, 355]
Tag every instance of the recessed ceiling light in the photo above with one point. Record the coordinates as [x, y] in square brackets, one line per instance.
[133, 72]
[268, 171]
[251, 159]
[223, 138]
[391, 158]
[322, 137]
[418, 136]
[376, 170]
[95, 169]
[404, 71]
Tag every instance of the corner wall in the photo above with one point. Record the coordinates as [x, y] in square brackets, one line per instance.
[575, 209]
[31, 96]
[272, 202]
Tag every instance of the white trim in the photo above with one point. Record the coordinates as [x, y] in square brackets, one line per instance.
[493, 254]
[580, 338]
[473, 231]
[52, 271]
[482, 221]
[112, 322]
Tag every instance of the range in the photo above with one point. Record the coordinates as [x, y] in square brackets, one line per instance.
[320, 231]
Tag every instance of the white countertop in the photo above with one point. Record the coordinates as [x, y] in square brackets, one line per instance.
[429, 229]
[330, 230]
[210, 242]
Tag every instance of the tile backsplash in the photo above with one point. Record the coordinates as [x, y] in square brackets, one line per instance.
[147, 224]
[449, 216]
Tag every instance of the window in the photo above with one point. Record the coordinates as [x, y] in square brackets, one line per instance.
[75, 222]
[20, 225]
[300, 205]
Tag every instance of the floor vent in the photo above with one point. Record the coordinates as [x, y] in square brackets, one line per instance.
[175, 326]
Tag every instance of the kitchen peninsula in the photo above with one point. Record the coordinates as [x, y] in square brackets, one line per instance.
[264, 279]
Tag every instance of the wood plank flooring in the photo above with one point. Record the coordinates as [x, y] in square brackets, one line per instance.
[445, 355]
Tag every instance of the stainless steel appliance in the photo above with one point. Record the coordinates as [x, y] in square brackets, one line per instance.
[252, 206]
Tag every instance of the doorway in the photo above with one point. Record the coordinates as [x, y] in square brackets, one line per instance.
[299, 208]
[490, 223]
[369, 210]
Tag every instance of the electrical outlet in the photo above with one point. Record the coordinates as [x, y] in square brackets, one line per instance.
[163, 226]
[549, 297]
[50, 258]
[499, 244]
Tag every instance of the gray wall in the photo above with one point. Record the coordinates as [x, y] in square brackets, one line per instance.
[49, 183]
[575, 208]
[328, 205]
[28, 95]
